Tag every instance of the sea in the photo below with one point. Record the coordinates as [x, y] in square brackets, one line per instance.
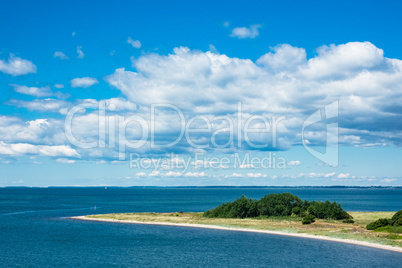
[35, 229]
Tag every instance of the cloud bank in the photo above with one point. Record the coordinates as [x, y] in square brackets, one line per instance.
[282, 82]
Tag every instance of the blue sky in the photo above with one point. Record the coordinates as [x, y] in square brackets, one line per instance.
[274, 58]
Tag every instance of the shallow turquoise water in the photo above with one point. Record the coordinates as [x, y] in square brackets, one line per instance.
[34, 230]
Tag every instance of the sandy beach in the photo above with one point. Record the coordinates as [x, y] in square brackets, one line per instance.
[348, 241]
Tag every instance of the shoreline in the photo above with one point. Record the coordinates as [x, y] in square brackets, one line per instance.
[205, 226]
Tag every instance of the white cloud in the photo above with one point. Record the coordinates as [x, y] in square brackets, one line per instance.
[244, 32]
[195, 174]
[313, 175]
[294, 163]
[344, 61]
[163, 78]
[141, 174]
[80, 53]
[43, 150]
[65, 161]
[244, 166]
[134, 43]
[60, 55]
[154, 173]
[58, 85]
[283, 58]
[17, 66]
[208, 84]
[113, 104]
[173, 174]
[43, 105]
[73, 34]
[84, 82]
[226, 24]
[39, 92]
[344, 176]
[205, 164]
[328, 175]
[282, 82]
[388, 180]
[44, 131]
[256, 175]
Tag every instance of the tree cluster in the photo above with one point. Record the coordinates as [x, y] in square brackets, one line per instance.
[396, 221]
[283, 204]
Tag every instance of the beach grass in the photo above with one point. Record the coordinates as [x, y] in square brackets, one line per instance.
[329, 228]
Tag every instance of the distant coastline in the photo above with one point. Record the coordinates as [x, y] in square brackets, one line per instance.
[145, 218]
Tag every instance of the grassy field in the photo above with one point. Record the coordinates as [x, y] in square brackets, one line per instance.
[330, 228]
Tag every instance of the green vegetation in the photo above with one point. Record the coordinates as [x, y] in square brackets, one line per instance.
[396, 217]
[377, 224]
[278, 205]
[350, 220]
[393, 225]
[398, 222]
[308, 219]
[286, 224]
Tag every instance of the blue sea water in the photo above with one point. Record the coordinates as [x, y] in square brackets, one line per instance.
[35, 230]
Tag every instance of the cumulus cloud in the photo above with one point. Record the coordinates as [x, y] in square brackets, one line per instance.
[60, 55]
[84, 82]
[154, 173]
[173, 174]
[113, 104]
[17, 66]
[38, 92]
[80, 53]
[256, 175]
[283, 58]
[196, 174]
[15, 130]
[65, 161]
[345, 60]
[314, 175]
[388, 180]
[245, 166]
[134, 43]
[294, 163]
[281, 82]
[246, 32]
[42, 105]
[344, 176]
[17, 149]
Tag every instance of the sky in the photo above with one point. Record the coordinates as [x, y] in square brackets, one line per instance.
[156, 93]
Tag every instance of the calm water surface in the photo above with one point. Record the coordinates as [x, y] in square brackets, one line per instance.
[35, 230]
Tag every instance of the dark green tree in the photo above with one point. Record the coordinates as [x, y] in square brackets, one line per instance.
[278, 204]
[308, 219]
[396, 216]
[377, 224]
